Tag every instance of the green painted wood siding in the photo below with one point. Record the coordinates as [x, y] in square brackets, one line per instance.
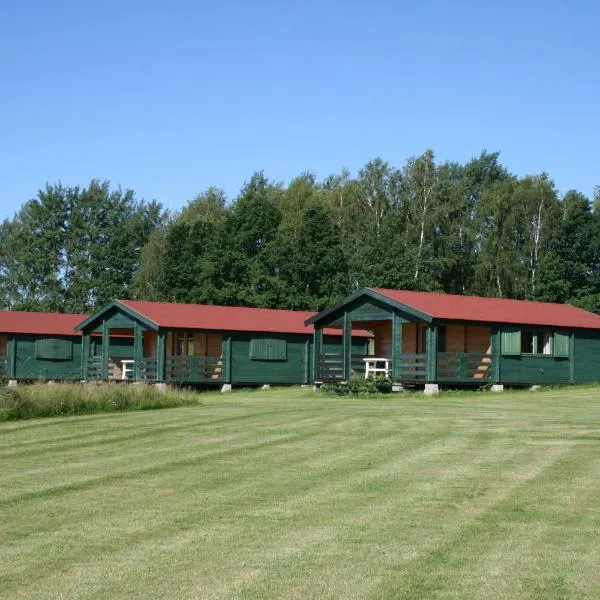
[119, 347]
[246, 370]
[28, 366]
[561, 344]
[587, 357]
[54, 348]
[530, 370]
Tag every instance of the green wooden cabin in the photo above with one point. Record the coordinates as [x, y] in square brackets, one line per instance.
[423, 338]
[206, 345]
[39, 346]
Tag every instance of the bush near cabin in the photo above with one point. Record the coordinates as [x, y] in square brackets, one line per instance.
[356, 386]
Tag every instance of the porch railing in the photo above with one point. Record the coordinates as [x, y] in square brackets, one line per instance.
[194, 369]
[456, 367]
[330, 367]
[464, 367]
[148, 371]
[412, 368]
[94, 368]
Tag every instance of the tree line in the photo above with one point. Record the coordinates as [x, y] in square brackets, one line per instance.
[470, 228]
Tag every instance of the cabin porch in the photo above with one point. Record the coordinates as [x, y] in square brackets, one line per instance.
[153, 356]
[413, 353]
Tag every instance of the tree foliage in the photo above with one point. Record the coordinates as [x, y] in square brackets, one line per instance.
[471, 228]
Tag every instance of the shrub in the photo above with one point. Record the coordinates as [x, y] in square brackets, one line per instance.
[355, 386]
[43, 400]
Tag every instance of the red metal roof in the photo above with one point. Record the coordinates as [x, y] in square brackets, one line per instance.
[40, 323]
[227, 318]
[494, 310]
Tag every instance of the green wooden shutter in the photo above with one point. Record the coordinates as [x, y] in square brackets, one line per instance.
[262, 348]
[561, 345]
[53, 349]
[511, 342]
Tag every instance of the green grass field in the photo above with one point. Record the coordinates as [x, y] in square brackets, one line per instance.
[286, 494]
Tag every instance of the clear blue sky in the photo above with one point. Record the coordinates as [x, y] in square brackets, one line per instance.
[170, 97]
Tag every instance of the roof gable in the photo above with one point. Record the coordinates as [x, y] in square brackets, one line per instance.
[116, 305]
[329, 315]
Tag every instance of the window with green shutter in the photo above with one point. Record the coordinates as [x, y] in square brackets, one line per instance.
[54, 349]
[561, 345]
[511, 342]
[264, 348]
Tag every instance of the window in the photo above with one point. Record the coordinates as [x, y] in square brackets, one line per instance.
[527, 341]
[54, 349]
[543, 343]
[268, 349]
[441, 346]
[516, 342]
[184, 344]
[536, 342]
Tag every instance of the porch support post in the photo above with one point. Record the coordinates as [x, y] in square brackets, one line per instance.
[307, 361]
[572, 358]
[138, 351]
[85, 355]
[496, 355]
[227, 359]
[431, 336]
[105, 348]
[12, 357]
[347, 346]
[161, 354]
[317, 349]
[396, 346]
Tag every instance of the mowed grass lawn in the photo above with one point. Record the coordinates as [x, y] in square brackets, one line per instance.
[288, 494]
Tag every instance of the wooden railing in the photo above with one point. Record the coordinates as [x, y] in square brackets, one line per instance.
[148, 371]
[94, 368]
[357, 365]
[464, 367]
[193, 369]
[412, 368]
[330, 367]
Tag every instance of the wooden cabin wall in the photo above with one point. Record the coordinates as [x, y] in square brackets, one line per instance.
[383, 339]
[479, 339]
[208, 344]
[28, 366]
[3, 345]
[412, 338]
[455, 338]
[149, 343]
[468, 338]
[586, 354]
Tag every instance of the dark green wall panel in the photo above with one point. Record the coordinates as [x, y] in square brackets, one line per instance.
[30, 367]
[246, 370]
[587, 356]
[529, 370]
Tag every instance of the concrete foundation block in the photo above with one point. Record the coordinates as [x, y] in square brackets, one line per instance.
[161, 387]
[397, 387]
[226, 387]
[12, 382]
[431, 389]
[535, 388]
[266, 386]
[497, 387]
